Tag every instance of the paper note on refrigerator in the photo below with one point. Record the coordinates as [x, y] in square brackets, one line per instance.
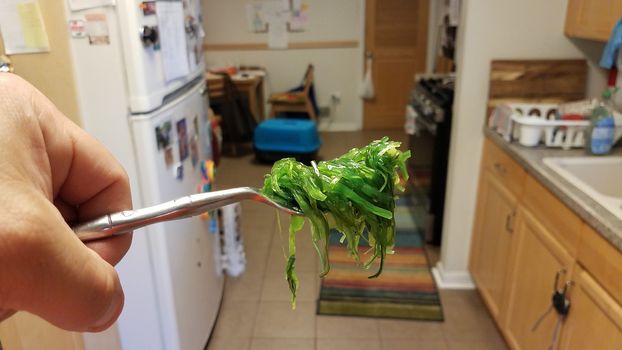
[97, 29]
[22, 27]
[76, 5]
[173, 47]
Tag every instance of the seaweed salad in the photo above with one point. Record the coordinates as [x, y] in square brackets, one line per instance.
[354, 194]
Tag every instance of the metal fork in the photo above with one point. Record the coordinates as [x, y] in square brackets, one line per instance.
[128, 220]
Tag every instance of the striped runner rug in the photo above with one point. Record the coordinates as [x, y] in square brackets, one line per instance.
[404, 290]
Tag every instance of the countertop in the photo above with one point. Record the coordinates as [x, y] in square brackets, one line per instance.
[599, 218]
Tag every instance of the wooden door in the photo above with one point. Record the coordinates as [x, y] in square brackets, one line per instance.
[396, 34]
[492, 238]
[537, 258]
[592, 19]
[595, 318]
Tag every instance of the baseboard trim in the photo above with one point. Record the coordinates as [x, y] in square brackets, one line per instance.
[451, 279]
[334, 127]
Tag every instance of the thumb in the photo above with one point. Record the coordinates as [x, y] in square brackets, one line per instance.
[59, 278]
[86, 297]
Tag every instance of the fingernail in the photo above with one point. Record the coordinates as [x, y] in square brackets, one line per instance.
[111, 314]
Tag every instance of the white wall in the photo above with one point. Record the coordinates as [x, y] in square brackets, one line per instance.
[493, 29]
[336, 70]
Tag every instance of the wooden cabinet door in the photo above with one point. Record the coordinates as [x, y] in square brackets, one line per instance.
[595, 318]
[592, 19]
[492, 237]
[536, 259]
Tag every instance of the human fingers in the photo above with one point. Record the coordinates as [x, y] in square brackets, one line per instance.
[110, 249]
[48, 272]
[81, 177]
[95, 185]
[45, 268]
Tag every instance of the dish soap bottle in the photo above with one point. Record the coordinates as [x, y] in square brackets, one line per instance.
[602, 128]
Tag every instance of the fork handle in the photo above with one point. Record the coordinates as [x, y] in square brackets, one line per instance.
[128, 220]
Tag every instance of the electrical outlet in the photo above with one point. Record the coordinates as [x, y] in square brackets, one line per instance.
[324, 111]
[335, 96]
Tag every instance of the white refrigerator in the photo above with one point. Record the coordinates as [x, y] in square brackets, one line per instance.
[138, 67]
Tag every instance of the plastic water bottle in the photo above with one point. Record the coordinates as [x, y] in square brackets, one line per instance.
[602, 129]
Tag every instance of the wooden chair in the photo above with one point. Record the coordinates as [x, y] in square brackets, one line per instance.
[215, 85]
[295, 101]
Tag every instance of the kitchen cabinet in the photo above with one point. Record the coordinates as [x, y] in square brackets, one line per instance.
[526, 242]
[595, 320]
[592, 19]
[538, 260]
[602, 260]
[492, 235]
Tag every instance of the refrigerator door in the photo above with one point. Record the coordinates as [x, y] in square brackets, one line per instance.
[184, 288]
[162, 48]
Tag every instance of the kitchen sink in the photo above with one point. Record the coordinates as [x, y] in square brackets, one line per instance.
[598, 177]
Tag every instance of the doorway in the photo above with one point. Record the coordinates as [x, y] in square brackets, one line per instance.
[396, 33]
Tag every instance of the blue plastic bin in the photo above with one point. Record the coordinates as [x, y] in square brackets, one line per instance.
[280, 138]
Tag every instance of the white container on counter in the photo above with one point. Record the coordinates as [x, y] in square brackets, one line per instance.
[530, 130]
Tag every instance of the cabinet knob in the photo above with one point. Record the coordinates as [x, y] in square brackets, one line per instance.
[557, 276]
[149, 35]
[500, 168]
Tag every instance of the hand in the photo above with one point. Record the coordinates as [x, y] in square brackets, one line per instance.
[53, 174]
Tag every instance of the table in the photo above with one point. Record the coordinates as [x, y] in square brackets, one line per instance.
[249, 83]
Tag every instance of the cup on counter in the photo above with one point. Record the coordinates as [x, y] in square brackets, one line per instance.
[530, 135]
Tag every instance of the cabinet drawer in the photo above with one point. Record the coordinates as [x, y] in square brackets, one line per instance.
[506, 170]
[602, 260]
[555, 215]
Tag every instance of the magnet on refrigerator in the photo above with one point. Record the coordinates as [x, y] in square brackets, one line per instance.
[163, 135]
[179, 171]
[169, 158]
[194, 151]
[182, 138]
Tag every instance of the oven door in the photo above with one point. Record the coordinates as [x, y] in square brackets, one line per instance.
[421, 143]
[429, 147]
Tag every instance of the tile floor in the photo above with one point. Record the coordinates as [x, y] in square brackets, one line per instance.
[256, 311]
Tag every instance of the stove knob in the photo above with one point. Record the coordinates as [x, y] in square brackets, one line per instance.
[427, 107]
[149, 35]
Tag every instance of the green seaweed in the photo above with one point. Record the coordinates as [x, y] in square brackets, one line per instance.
[355, 191]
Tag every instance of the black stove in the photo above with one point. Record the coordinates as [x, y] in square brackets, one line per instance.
[432, 100]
